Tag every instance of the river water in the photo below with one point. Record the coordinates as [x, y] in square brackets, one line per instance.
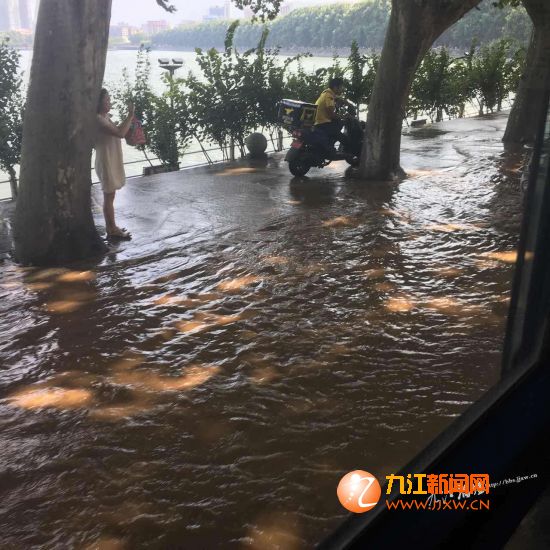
[117, 61]
[208, 383]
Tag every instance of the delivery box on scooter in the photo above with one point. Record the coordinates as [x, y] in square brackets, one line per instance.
[296, 114]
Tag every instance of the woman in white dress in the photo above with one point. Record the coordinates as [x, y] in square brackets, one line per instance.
[109, 164]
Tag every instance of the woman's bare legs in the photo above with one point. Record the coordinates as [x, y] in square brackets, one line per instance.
[109, 212]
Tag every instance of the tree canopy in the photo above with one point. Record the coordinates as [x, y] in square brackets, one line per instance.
[336, 26]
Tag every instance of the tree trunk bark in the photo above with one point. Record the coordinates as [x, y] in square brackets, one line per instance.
[413, 27]
[526, 111]
[53, 222]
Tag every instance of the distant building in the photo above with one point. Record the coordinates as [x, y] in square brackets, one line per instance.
[286, 8]
[154, 27]
[9, 15]
[17, 14]
[119, 31]
[26, 13]
[123, 31]
[219, 12]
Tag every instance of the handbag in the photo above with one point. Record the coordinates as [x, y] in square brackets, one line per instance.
[135, 135]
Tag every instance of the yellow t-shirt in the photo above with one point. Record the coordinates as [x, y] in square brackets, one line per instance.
[326, 100]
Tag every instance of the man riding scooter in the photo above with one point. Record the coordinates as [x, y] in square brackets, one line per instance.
[316, 128]
[327, 120]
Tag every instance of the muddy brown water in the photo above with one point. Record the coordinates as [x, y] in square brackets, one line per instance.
[211, 392]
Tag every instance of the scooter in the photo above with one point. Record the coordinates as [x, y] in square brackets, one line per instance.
[311, 148]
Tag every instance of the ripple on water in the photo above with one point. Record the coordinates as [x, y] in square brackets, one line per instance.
[217, 391]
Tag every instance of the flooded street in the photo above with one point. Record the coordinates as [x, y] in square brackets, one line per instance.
[208, 383]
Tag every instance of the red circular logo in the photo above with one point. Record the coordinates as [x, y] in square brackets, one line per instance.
[359, 491]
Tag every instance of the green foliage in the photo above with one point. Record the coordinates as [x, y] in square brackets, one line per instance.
[264, 9]
[236, 93]
[11, 110]
[487, 24]
[303, 85]
[494, 73]
[440, 86]
[444, 84]
[167, 136]
[335, 26]
[139, 39]
[163, 116]
[360, 72]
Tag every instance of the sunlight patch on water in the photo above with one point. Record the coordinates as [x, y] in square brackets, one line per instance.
[509, 257]
[274, 531]
[385, 286]
[249, 335]
[264, 375]
[401, 215]
[107, 543]
[340, 221]
[448, 271]
[76, 277]
[45, 274]
[312, 269]
[202, 321]
[275, 260]
[451, 227]
[129, 360]
[37, 287]
[374, 273]
[186, 301]
[449, 306]
[399, 304]
[238, 283]
[236, 171]
[64, 306]
[423, 172]
[51, 397]
[193, 376]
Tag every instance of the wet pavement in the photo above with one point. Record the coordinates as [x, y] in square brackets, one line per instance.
[207, 383]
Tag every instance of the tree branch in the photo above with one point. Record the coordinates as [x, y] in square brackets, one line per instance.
[166, 6]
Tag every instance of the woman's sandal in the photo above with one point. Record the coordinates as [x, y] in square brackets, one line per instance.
[119, 233]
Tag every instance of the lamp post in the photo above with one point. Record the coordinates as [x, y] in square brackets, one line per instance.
[172, 66]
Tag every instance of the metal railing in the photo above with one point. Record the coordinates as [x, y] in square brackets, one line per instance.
[147, 161]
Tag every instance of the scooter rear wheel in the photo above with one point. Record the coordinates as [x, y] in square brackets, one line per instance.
[298, 167]
[355, 161]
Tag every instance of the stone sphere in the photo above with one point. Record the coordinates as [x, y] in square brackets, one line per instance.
[256, 143]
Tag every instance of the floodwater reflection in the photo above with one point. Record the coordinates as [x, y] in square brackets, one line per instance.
[59, 398]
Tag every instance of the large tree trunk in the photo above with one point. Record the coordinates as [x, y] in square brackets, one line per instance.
[54, 222]
[526, 112]
[413, 27]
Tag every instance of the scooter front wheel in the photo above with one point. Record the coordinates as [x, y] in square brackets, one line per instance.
[298, 167]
